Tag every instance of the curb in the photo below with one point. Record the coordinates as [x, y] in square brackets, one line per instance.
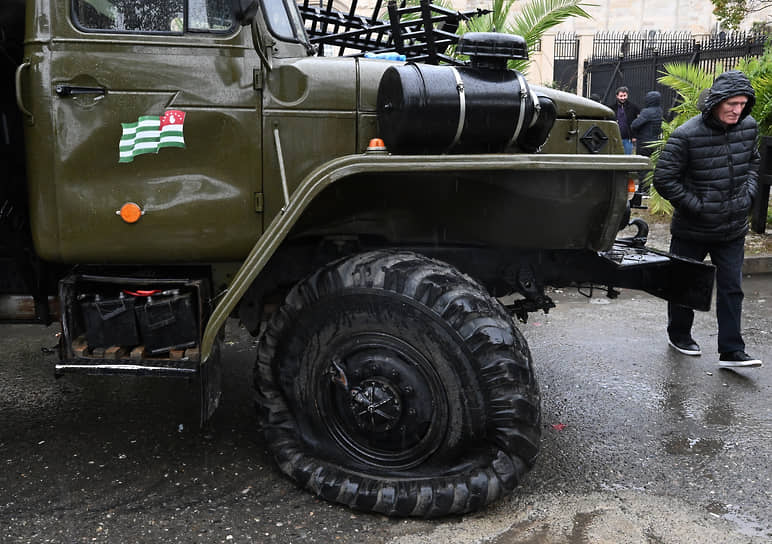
[757, 265]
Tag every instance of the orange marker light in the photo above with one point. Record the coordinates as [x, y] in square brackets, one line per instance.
[130, 212]
[630, 188]
[376, 145]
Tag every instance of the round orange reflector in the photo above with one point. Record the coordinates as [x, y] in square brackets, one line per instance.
[130, 212]
[376, 144]
[631, 185]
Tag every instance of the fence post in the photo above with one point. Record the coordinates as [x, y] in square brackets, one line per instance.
[586, 44]
[696, 53]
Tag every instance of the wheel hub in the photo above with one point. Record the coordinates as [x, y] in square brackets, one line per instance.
[384, 402]
[376, 406]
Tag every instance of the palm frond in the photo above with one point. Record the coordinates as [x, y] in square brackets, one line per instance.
[501, 12]
[658, 205]
[538, 16]
[759, 71]
[495, 21]
[688, 80]
[762, 110]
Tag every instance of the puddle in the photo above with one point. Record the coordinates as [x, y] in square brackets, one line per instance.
[694, 446]
[745, 525]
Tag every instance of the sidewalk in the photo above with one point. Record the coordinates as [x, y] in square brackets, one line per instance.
[758, 247]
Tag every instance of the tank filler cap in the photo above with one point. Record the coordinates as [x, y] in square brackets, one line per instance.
[492, 50]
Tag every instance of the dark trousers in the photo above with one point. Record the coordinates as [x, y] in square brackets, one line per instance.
[728, 259]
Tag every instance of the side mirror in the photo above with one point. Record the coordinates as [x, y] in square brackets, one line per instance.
[244, 11]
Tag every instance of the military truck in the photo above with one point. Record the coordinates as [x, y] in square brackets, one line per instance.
[170, 164]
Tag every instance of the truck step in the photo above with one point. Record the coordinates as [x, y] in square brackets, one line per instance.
[129, 360]
[121, 369]
[82, 350]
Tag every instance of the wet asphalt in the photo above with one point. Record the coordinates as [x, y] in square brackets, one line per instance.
[640, 444]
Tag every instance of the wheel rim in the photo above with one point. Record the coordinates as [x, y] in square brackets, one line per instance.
[381, 401]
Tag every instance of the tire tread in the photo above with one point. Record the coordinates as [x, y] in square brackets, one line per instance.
[505, 373]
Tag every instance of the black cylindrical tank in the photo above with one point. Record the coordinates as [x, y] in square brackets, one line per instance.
[446, 109]
[482, 108]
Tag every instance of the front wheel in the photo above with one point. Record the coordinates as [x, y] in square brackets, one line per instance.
[391, 382]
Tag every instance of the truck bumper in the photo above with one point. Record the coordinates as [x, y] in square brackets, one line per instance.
[676, 279]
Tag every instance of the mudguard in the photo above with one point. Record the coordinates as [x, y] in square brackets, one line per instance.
[372, 163]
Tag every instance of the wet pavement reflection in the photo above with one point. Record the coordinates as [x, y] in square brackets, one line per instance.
[640, 444]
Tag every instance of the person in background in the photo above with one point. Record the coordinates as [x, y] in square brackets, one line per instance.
[626, 113]
[708, 170]
[647, 127]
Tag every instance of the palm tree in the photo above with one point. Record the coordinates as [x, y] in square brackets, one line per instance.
[534, 19]
[531, 22]
[759, 71]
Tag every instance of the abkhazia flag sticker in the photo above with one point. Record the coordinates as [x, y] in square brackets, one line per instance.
[150, 133]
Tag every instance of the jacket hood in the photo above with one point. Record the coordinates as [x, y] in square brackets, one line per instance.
[727, 85]
[653, 99]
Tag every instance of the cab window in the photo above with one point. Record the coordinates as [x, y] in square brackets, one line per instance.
[153, 16]
[284, 20]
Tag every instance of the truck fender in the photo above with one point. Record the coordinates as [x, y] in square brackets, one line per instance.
[369, 163]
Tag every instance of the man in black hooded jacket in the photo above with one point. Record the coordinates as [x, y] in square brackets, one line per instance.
[708, 171]
[647, 127]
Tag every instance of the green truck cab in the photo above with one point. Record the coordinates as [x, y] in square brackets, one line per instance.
[170, 164]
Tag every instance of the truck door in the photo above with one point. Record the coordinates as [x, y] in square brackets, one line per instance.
[153, 107]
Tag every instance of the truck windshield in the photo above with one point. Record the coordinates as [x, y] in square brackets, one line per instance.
[284, 20]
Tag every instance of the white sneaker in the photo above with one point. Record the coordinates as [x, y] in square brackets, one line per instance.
[688, 347]
[738, 359]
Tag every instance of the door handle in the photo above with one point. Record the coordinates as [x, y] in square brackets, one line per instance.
[19, 101]
[72, 90]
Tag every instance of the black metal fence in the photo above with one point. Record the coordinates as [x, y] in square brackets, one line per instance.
[566, 56]
[636, 60]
